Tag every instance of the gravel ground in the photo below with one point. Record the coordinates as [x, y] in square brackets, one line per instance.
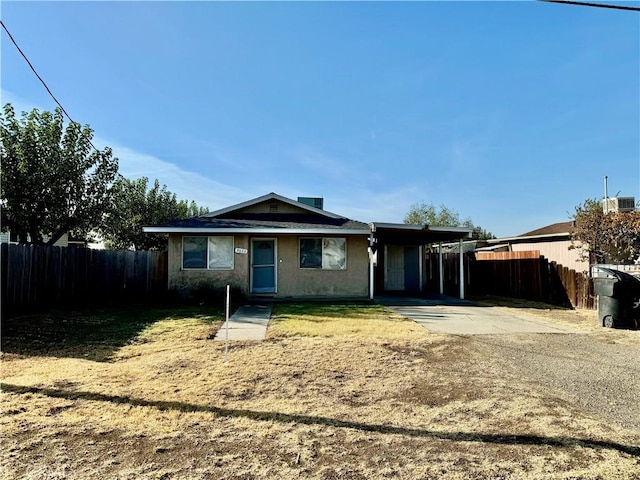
[599, 372]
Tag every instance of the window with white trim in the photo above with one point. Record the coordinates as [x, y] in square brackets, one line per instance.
[213, 253]
[329, 253]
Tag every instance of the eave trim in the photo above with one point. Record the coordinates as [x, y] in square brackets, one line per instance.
[258, 231]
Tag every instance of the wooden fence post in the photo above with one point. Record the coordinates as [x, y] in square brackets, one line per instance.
[48, 275]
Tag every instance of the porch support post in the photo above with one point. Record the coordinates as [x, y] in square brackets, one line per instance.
[440, 269]
[423, 264]
[461, 272]
[371, 282]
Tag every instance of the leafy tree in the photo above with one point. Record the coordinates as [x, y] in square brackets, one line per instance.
[623, 235]
[423, 213]
[606, 238]
[135, 205]
[480, 233]
[588, 234]
[53, 180]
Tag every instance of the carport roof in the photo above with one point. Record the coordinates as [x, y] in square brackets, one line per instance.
[405, 234]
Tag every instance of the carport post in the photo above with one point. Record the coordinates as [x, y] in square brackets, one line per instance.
[440, 269]
[371, 273]
[226, 331]
[372, 241]
[461, 272]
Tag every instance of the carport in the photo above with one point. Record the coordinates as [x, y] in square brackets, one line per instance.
[397, 256]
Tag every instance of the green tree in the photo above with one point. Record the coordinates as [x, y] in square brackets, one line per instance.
[53, 180]
[606, 238]
[423, 213]
[135, 205]
[480, 233]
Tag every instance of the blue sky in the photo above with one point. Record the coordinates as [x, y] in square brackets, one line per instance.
[510, 113]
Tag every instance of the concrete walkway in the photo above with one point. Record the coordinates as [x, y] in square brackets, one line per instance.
[450, 315]
[248, 323]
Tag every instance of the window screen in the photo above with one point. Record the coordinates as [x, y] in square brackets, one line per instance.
[208, 252]
[324, 253]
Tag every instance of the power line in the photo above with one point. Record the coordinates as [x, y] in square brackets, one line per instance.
[41, 80]
[598, 5]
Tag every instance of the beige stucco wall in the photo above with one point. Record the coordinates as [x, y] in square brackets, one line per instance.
[291, 280]
[187, 280]
[302, 282]
[556, 252]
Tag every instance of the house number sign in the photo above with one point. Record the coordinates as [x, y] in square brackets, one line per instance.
[242, 251]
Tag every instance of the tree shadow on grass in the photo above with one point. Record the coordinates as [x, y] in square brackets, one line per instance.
[326, 421]
[89, 334]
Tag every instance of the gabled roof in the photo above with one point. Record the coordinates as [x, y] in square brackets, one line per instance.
[553, 229]
[269, 197]
[555, 232]
[302, 220]
[268, 225]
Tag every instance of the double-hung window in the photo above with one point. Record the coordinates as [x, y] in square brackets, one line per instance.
[214, 253]
[328, 253]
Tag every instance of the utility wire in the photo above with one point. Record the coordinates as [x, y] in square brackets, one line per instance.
[598, 5]
[42, 81]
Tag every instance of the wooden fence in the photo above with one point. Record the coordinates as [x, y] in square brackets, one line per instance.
[451, 273]
[527, 254]
[44, 276]
[525, 275]
[577, 286]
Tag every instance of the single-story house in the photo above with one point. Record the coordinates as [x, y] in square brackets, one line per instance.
[552, 241]
[279, 247]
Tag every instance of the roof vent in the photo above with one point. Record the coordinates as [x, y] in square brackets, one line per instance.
[315, 202]
[619, 204]
[273, 208]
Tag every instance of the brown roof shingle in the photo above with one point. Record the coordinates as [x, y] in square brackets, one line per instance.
[553, 229]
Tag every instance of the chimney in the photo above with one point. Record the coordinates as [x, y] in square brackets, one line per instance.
[315, 202]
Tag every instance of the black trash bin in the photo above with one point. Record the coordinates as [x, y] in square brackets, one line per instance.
[618, 299]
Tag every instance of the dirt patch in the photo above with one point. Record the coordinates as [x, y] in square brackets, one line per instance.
[438, 349]
[295, 406]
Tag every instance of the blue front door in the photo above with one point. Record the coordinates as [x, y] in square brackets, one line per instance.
[263, 266]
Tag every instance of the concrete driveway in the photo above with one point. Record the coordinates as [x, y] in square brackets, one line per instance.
[450, 315]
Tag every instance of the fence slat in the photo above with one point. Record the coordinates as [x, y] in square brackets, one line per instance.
[46, 275]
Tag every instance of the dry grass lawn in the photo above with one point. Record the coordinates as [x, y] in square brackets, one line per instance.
[335, 391]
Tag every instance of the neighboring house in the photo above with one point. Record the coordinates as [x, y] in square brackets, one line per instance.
[63, 241]
[275, 246]
[552, 241]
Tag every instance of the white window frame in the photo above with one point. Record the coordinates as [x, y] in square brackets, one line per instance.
[322, 267]
[208, 260]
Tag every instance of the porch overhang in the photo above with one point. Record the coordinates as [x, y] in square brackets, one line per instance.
[257, 231]
[400, 234]
[404, 234]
